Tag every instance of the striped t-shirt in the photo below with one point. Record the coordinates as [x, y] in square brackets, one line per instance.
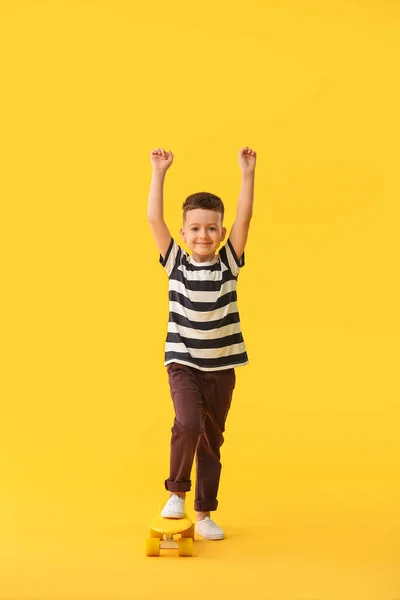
[203, 325]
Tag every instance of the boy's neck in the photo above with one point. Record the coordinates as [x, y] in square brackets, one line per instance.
[203, 259]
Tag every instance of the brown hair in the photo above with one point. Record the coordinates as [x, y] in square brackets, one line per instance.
[204, 200]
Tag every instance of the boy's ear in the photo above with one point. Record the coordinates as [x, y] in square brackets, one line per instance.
[182, 234]
[223, 233]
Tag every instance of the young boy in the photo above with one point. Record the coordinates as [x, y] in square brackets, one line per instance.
[204, 343]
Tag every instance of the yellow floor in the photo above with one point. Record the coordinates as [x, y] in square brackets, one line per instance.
[89, 553]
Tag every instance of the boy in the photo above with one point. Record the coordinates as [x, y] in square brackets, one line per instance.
[204, 342]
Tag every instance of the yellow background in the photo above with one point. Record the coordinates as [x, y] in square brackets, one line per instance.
[310, 494]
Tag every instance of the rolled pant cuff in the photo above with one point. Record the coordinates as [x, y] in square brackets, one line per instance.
[178, 486]
[204, 506]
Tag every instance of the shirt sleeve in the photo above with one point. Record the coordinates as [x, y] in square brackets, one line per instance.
[172, 256]
[230, 258]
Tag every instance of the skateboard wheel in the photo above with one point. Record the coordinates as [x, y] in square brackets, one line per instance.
[156, 534]
[189, 533]
[153, 547]
[185, 546]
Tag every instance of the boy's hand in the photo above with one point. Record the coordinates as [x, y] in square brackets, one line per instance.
[247, 160]
[160, 159]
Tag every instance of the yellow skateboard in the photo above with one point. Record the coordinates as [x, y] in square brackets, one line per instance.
[161, 527]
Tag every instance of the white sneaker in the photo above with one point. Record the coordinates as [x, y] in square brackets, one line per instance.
[174, 508]
[209, 530]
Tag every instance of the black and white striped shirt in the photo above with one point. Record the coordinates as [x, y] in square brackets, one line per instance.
[204, 325]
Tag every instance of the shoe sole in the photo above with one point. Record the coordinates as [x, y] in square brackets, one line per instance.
[172, 515]
[213, 538]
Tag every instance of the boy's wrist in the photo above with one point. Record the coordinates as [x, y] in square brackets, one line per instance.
[159, 172]
[247, 173]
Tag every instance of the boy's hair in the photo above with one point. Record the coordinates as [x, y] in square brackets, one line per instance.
[204, 200]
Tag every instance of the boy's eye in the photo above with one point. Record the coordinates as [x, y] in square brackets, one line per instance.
[194, 228]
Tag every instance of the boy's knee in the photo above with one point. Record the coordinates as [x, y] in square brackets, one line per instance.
[190, 428]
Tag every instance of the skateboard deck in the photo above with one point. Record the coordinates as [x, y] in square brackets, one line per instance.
[162, 533]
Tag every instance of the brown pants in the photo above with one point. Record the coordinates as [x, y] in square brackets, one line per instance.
[201, 401]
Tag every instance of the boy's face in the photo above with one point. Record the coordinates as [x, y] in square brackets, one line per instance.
[203, 232]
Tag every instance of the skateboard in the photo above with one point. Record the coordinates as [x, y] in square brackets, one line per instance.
[160, 527]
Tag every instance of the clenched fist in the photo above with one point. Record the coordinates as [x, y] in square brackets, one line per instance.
[247, 159]
[160, 159]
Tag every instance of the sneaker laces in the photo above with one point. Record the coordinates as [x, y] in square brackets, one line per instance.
[211, 522]
[176, 500]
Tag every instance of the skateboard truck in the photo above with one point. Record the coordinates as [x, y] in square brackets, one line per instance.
[161, 527]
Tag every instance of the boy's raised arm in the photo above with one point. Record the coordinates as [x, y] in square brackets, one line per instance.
[161, 161]
[240, 228]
